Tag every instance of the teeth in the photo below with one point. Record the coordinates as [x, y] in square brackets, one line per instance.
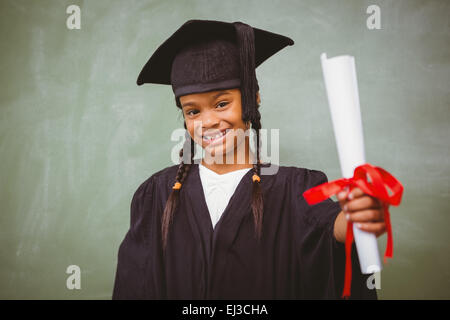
[208, 138]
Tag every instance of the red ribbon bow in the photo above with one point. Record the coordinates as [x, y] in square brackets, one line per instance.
[380, 181]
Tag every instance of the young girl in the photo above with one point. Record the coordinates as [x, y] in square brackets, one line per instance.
[222, 229]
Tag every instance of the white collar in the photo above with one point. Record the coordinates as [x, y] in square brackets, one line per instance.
[223, 176]
[218, 189]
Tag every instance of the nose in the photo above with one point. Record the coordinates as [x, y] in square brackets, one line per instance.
[209, 120]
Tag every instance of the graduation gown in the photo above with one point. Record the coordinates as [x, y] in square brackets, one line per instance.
[297, 257]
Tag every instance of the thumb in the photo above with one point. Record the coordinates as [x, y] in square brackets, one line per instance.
[342, 197]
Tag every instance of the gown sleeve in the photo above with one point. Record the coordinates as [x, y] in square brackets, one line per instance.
[321, 256]
[134, 273]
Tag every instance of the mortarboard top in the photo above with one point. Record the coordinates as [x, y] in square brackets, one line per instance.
[207, 55]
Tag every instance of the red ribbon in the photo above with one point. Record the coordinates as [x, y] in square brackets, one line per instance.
[381, 180]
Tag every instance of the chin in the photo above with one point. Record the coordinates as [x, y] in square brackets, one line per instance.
[220, 151]
[215, 151]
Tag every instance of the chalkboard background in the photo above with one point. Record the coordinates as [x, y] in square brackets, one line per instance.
[77, 135]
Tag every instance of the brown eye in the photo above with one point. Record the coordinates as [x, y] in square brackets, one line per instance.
[189, 113]
[223, 104]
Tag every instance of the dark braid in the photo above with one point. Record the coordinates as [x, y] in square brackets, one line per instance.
[257, 197]
[172, 201]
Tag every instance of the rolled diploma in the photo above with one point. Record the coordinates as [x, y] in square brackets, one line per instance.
[342, 89]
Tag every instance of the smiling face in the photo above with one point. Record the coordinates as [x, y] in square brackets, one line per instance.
[210, 116]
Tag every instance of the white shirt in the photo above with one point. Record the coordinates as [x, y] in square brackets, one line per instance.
[218, 189]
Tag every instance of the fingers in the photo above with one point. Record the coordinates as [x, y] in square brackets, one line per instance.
[345, 195]
[369, 215]
[378, 228]
[364, 210]
[342, 198]
[362, 203]
[355, 193]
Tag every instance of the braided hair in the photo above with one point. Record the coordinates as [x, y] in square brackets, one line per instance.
[172, 201]
[257, 199]
[184, 169]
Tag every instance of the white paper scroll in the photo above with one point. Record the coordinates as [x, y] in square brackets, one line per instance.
[342, 89]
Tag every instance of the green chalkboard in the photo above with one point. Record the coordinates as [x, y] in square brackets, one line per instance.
[78, 136]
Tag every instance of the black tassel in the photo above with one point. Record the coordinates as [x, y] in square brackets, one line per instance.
[245, 39]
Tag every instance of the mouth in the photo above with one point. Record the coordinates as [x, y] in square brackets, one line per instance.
[216, 137]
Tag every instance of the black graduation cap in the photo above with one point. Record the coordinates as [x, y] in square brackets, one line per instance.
[207, 55]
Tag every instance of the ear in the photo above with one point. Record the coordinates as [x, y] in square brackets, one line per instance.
[258, 98]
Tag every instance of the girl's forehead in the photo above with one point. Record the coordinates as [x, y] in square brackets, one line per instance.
[207, 96]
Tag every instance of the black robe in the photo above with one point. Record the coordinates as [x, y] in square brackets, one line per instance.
[297, 257]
